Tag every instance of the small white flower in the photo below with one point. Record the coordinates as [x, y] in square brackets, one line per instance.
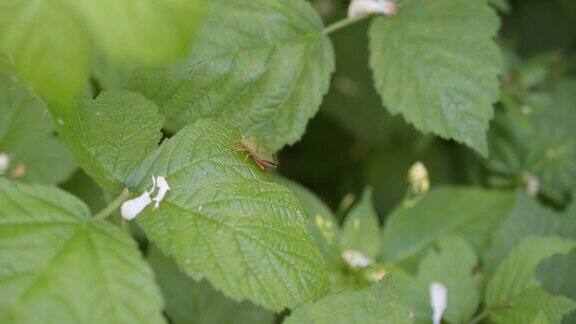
[356, 259]
[438, 300]
[532, 185]
[163, 188]
[368, 7]
[4, 163]
[131, 208]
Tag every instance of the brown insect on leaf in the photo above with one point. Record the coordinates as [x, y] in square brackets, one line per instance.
[263, 157]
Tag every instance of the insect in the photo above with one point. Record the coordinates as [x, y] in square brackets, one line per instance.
[263, 156]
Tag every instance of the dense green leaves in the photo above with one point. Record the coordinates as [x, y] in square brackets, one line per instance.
[261, 66]
[27, 138]
[58, 266]
[472, 213]
[51, 43]
[111, 135]
[224, 222]
[376, 304]
[437, 65]
[514, 290]
[190, 302]
[535, 138]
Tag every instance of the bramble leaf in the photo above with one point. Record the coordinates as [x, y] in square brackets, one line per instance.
[260, 66]
[224, 222]
[437, 64]
[111, 135]
[58, 266]
[27, 137]
[50, 43]
[376, 304]
[188, 301]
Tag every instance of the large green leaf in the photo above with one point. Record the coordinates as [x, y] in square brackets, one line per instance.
[453, 266]
[376, 304]
[58, 266]
[27, 137]
[361, 230]
[190, 302]
[437, 64]
[514, 290]
[259, 65]
[472, 213]
[111, 135]
[51, 43]
[223, 221]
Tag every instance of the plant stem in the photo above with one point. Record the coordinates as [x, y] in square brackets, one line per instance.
[343, 23]
[480, 317]
[107, 211]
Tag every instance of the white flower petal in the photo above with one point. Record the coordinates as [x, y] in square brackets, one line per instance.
[367, 7]
[438, 300]
[356, 259]
[163, 188]
[4, 163]
[131, 208]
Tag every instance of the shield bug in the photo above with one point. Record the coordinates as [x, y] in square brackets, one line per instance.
[263, 156]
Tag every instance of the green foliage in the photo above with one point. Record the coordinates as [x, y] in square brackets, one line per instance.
[514, 291]
[453, 266]
[377, 304]
[361, 230]
[223, 221]
[112, 134]
[469, 212]
[27, 137]
[261, 66]
[188, 301]
[437, 65]
[41, 36]
[58, 266]
[340, 228]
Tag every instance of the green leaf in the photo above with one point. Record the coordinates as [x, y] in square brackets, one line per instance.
[223, 221]
[531, 304]
[111, 135]
[323, 225]
[527, 218]
[471, 213]
[376, 304]
[190, 302]
[58, 266]
[258, 65]
[27, 137]
[514, 289]
[50, 43]
[452, 265]
[437, 64]
[361, 230]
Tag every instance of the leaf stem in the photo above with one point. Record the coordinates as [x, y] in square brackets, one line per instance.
[480, 317]
[343, 23]
[107, 211]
